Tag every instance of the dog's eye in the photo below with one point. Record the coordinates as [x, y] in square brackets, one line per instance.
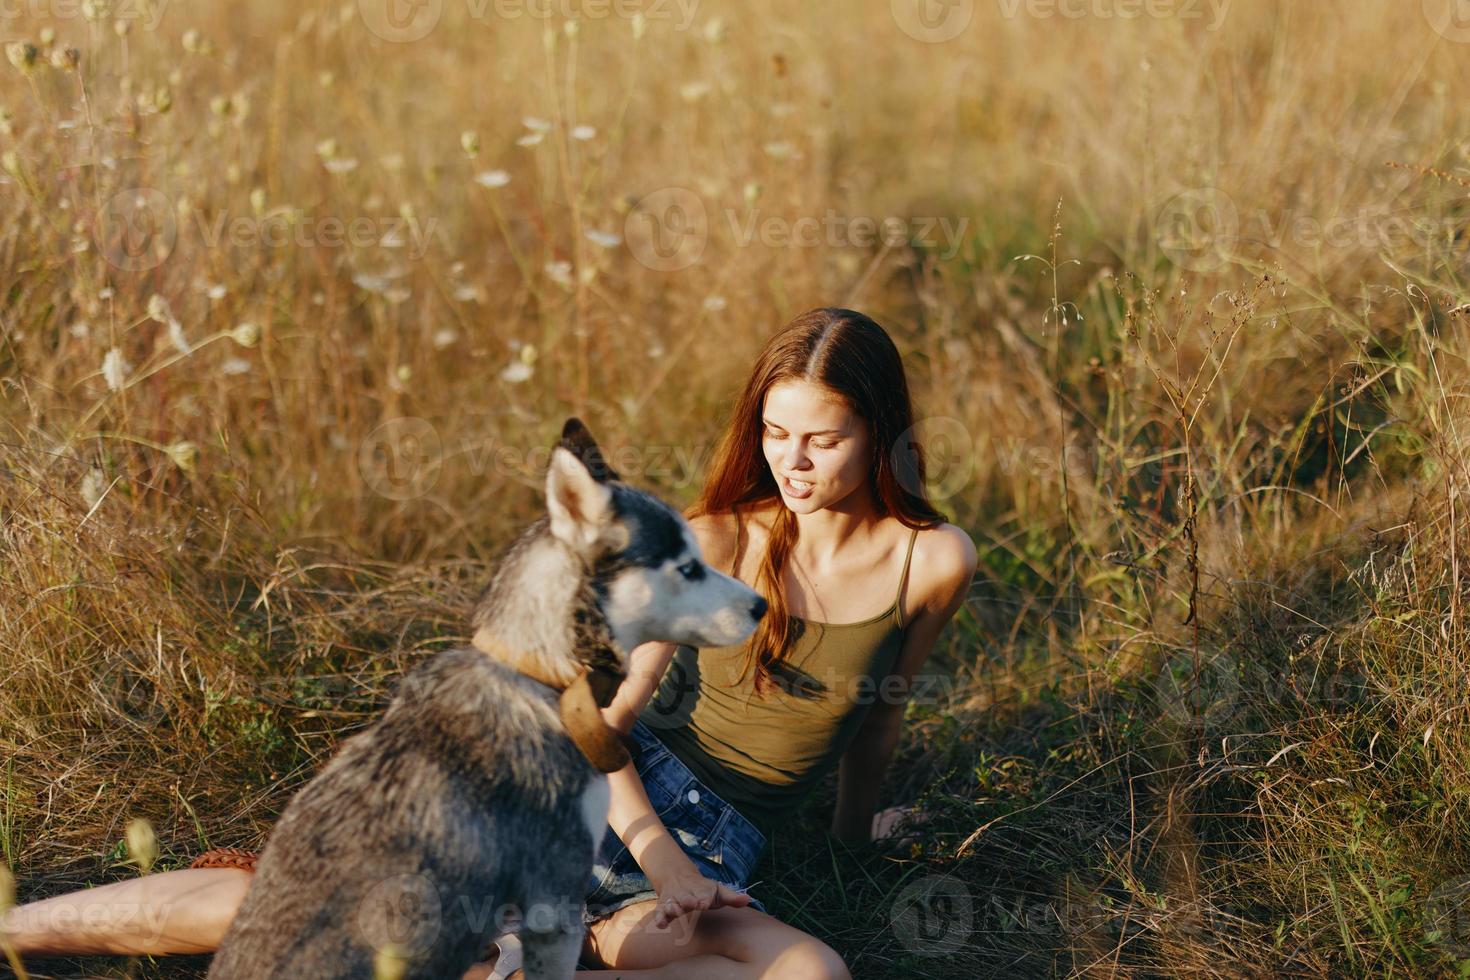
[692, 570]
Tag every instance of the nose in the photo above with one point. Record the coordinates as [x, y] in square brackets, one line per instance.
[758, 608]
[795, 456]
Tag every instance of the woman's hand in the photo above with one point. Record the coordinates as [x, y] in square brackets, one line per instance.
[685, 890]
[898, 825]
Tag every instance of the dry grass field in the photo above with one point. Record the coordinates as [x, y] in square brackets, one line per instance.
[296, 297]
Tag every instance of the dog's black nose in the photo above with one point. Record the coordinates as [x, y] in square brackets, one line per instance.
[758, 608]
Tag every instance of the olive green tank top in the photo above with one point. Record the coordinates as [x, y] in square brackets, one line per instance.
[764, 754]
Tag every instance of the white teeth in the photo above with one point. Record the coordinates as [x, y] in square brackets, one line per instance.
[795, 485]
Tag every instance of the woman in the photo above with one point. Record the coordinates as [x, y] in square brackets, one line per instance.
[815, 498]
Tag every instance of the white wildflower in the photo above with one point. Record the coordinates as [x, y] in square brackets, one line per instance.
[177, 338]
[515, 372]
[604, 239]
[235, 365]
[715, 303]
[560, 273]
[94, 484]
[158, 309]
[537, 125]
[492, 178]
[184, 455]
[246, 335]
[373, 284]
[115, 369]
[530, 139]
[445, 337]
[694, 91]
[583, 132]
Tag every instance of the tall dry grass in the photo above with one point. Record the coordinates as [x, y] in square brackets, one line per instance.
[1183, 302]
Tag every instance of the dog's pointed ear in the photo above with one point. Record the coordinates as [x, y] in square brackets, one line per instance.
[579, 441]
[579, 506]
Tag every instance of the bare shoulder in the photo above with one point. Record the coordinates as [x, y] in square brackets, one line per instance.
[944, 563]
[716, 534]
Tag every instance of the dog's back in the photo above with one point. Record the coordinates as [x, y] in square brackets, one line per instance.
[424, 833]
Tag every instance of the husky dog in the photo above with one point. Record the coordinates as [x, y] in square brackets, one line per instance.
[476, 798]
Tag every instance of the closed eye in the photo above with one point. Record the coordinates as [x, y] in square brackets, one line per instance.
[692, 570]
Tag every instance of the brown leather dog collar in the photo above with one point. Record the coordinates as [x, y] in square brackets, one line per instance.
[582, 689]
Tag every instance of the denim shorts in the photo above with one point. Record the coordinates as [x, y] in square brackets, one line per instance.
[723, 844]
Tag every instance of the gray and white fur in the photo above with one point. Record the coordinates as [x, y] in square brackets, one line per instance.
[466, 806]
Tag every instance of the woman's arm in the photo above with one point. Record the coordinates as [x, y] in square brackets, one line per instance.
[630, 813]
[948, 567]
[681, 886]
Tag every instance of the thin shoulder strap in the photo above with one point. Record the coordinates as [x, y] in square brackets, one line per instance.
[904, 578]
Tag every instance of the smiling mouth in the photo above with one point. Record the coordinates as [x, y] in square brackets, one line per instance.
[797, 485]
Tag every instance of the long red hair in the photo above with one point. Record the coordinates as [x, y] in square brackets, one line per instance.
[853, 357]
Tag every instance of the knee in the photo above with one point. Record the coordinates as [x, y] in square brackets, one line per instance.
[811, 959]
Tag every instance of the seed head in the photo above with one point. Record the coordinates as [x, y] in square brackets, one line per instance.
[142, 842]
[246, 335]
[185, 455]
[23, 55]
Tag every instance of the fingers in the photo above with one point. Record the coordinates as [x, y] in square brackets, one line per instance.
[675, 906]
[725, 895]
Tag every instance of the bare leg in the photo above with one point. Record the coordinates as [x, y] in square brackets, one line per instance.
[721, 944]
[184, 911]
[716, 944]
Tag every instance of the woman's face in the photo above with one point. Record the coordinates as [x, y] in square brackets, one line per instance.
[817, 447]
